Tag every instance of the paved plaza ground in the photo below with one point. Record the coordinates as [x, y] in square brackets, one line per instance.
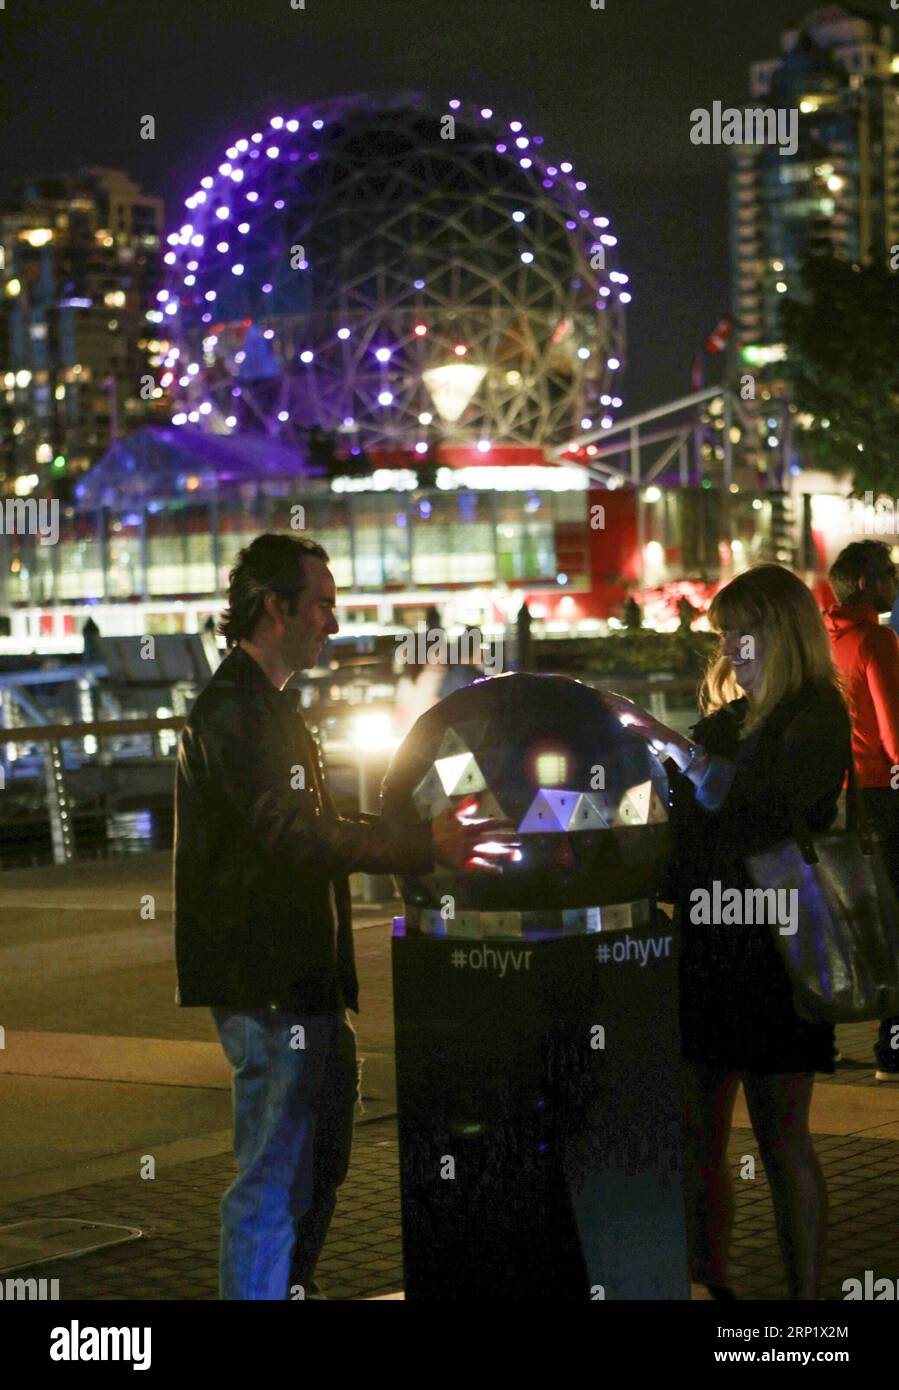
[100, 1068]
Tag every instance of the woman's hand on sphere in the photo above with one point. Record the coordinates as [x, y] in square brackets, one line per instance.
[633, 716]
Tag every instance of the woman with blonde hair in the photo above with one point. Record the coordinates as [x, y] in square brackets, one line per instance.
[775, 736]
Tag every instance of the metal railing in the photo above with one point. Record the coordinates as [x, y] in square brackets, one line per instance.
[52, 737]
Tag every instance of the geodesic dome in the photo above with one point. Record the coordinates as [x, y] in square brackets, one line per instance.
[394, 272]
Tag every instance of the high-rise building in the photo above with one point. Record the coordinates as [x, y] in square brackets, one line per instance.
[79, 265]
[839, 190]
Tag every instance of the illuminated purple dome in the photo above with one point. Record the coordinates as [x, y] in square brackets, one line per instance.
[392, 271]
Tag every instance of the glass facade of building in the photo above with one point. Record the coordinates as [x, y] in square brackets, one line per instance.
[378, 542]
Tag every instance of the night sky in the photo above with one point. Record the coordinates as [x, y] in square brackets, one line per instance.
[611, 89]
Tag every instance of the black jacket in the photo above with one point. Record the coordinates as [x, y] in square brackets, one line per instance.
[798, 755]
[262, 904]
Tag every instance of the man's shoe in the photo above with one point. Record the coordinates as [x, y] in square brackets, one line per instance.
[886, 1076]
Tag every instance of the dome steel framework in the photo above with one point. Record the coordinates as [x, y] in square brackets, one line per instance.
[334, 261]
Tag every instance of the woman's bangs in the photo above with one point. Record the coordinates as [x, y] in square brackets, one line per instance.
[731, 612]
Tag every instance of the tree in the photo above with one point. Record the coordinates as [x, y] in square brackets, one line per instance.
[842, 337]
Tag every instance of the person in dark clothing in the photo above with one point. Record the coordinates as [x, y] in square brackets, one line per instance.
[776, 733]
[685, 615]
[524, 640]
[633, 613]
[263, 934]
[863, 577]
[91, 634]
[464, 669]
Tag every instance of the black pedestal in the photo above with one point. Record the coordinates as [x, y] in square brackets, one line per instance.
[539, 1117]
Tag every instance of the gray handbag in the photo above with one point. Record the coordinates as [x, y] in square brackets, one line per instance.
[843, 960]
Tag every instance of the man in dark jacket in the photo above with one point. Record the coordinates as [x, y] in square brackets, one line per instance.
[863, 577]
[262, 915]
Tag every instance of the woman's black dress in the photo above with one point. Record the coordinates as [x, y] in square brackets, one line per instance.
[736, 1004]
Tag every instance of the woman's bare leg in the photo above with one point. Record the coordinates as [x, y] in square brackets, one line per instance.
[709, 1095]
[779, 1110]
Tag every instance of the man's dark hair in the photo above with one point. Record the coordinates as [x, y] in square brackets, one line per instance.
[274, 563]
[861, 558]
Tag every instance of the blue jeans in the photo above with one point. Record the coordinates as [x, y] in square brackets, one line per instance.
[295, 1087]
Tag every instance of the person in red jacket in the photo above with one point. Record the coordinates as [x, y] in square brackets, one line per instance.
[864, 579]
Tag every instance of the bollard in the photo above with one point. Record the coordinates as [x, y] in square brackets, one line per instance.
[536, 1009]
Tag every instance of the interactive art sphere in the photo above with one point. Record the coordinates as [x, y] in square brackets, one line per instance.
[394, 272]
[587, 799]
